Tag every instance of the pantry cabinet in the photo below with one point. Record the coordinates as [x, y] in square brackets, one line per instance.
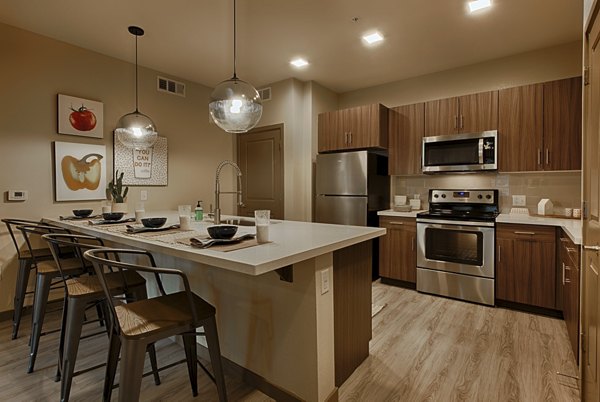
[539, 127]
[464, 114]
[398, 249]
[526, 264]
[406, 128]
[354, 128]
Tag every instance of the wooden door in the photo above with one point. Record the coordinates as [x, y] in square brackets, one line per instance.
[260, 157]
[562, 124]
[406, 128]
[478, 112]
[441, 117]
[520, 127]
[590, 307]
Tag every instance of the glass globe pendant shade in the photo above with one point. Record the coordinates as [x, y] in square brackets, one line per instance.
[136, 130]
[235, 106]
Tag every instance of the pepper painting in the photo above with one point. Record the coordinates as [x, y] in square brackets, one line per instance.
[80, 171]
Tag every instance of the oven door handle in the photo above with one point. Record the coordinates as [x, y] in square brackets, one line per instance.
[454, 224]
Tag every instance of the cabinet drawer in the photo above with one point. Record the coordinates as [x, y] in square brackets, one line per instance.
[525, 232]
[392, 221]
[570, 249]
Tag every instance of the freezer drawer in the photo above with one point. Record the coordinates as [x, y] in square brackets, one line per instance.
[342, 173]
[342, 210]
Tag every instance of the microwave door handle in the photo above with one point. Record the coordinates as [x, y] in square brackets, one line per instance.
[480, 151]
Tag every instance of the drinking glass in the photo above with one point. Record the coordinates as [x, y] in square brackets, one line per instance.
[185, 212]
[262, 219]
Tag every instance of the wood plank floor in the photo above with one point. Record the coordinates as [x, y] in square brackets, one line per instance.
[428, 348]
[424, 348]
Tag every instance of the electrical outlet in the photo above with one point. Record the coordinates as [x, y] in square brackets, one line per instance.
[519, 200]
[18, 195]
[324, 281]
[143, 195]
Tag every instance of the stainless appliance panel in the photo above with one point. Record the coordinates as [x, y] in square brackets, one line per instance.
[456, 248]
[463, 287]
[343, 173]
[344, 210]
[460, 152]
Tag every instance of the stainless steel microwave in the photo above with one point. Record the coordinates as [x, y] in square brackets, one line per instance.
[461, 152]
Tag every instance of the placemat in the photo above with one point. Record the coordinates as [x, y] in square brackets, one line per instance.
[223, 247]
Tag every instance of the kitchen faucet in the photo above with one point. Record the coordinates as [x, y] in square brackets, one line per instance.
[218, 192]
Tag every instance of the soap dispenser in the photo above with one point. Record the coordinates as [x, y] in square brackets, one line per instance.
[199, 211]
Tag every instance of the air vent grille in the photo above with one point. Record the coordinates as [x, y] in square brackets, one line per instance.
[265, 94]
[170, 86]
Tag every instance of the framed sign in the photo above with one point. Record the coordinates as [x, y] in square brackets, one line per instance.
[142, 167]
[78, 116]
[79, 171]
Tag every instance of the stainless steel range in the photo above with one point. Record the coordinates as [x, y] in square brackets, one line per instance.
[455, 245]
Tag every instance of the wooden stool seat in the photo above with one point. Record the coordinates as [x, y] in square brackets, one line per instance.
[90, 286]
[36, 253]
[146, 317]
[69, 266]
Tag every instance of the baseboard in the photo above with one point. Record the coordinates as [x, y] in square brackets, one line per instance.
[334, 396]
[529, 309]
[256, 381]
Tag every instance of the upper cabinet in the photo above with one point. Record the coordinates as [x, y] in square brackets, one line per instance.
[406, 128]
[354, 128]
[464, 114]
[540, 127]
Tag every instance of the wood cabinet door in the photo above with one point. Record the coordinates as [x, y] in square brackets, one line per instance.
[397, 250]
[478, 112]
[441, 117]
[562, 124]
[331, 128]
[406, 128]
[520, 128]
[507, 286]
[543, 273]
[356, 126]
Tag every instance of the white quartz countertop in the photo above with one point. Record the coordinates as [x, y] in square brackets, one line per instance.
[291, 242]
[391, 212]
[572, 227]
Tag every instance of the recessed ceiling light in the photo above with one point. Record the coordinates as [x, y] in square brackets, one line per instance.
[299, 62]
[373, 38]
[479, 4]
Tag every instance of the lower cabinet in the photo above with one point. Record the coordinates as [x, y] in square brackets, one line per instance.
[569, 283]
[526, 264]
[398, 249]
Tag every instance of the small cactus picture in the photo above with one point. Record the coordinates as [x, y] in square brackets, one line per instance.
[116, 189]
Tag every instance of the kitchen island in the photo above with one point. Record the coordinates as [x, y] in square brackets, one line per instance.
[278, 323]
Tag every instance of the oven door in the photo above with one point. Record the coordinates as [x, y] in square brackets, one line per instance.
[461, 247]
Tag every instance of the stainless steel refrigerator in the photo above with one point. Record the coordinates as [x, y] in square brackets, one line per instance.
[350, 188]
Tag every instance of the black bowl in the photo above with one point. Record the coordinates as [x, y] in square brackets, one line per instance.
[153, 222]
[222, 231]
[113, 216]
[82, 213]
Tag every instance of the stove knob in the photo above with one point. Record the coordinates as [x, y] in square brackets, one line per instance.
[489, 197]
[480, 196]
[443, 195]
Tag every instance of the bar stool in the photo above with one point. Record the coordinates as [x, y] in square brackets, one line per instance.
[48, 275]
[84, 292]
[26, 264]
[135, 325]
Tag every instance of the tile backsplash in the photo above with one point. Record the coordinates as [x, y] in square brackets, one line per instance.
[562, 188]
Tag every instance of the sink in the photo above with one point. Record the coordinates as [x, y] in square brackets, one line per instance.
[239, 222]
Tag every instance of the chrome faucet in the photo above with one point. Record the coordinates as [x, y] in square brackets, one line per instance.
[218, 191]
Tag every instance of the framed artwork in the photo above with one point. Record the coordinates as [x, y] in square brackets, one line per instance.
[79, 171]
[83, 117]
[142, 167]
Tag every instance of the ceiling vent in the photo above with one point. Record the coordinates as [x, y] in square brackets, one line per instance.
[170, 86]
[265, 94]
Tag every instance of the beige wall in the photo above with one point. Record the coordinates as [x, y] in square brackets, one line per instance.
[538, 66]
[34, 70]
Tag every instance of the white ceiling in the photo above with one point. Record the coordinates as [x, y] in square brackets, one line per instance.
[192, 39]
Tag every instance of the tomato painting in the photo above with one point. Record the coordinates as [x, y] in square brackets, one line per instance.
[82, 119]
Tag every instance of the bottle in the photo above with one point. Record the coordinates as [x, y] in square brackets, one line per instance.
[199, 211]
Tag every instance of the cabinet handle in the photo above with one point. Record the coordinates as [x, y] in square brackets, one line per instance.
[396, 223]
[564, 240]
[571, 249]
[547, 156]
[499, 254]
[462, 121]
[346, 138]
[455, 121]
[565, 279]
[524, 233]
[412, 244]
[539, 152]
[563, 273]
[350, 133]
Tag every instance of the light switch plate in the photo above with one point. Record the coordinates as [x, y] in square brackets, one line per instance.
[324, 281]
[519, 200]
[143, 195]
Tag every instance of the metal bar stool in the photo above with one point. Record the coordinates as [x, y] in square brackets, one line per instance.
[135, 325]
[48, 275]
[26, 264]
[84, 292]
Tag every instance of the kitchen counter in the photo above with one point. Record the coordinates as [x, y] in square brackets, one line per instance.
[391, 212]
[572, 227]
[275, 328]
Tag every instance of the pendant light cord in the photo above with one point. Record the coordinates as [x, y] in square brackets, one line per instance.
[234, 42]
[136, 74]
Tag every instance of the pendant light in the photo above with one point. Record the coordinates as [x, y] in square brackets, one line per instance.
[235, 105]
[136, 130]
